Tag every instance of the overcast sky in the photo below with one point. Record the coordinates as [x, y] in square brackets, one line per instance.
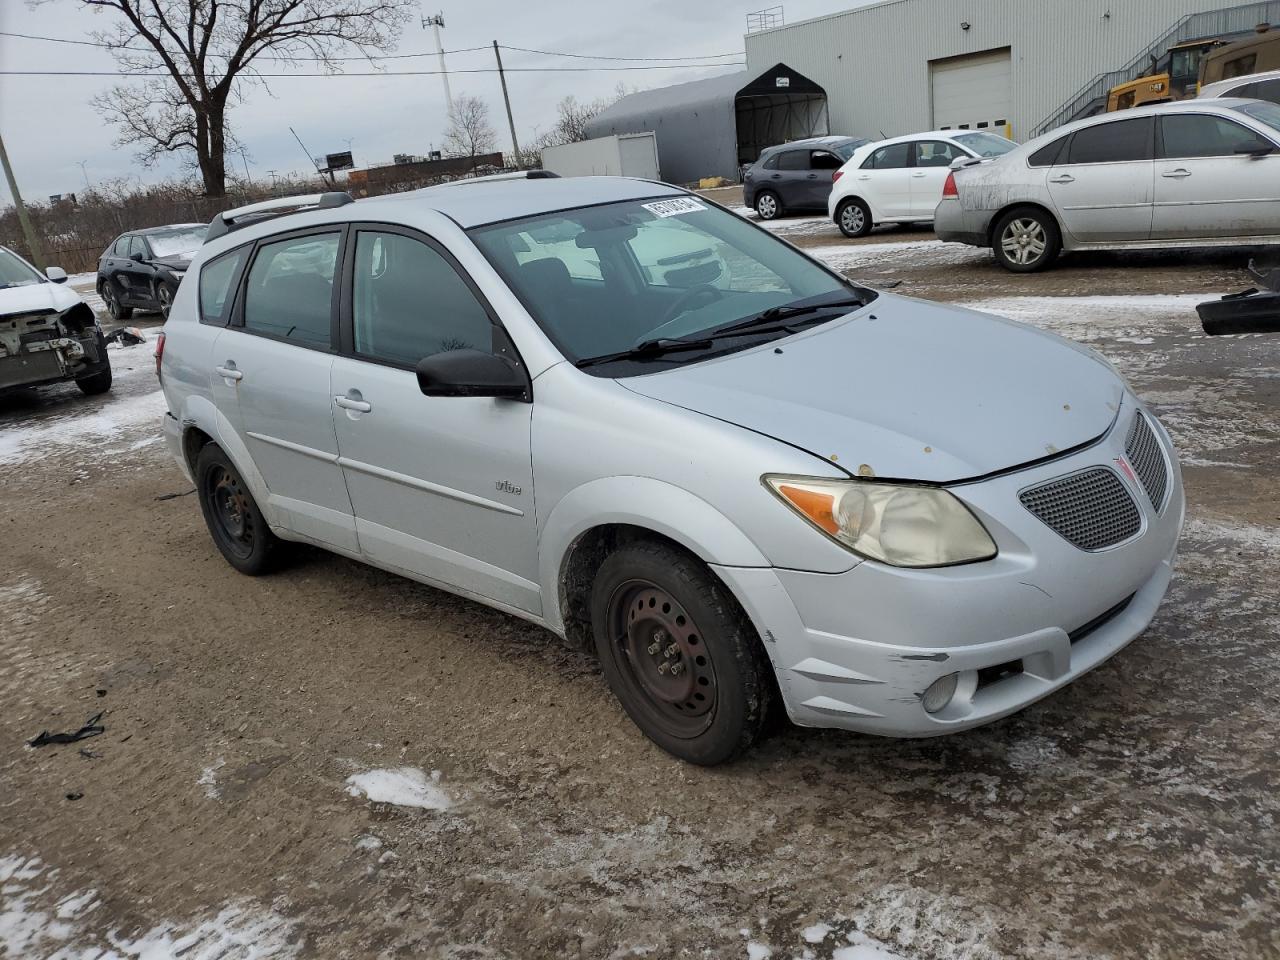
[49, 126]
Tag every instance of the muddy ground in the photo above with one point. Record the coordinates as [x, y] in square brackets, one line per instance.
[1133, 814]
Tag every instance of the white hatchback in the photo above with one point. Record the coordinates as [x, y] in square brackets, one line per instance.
[900, 180]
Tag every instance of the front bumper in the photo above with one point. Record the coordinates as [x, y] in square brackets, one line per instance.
[51, 361]
[954, 224]
[857, 650]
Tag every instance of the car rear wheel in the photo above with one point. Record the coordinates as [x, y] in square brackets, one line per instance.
[1026, 239]
[768, 206]
[854, 218]
[112, 299]
[679, 654]
[237, 526]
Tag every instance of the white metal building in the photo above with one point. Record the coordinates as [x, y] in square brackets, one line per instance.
[900, 66]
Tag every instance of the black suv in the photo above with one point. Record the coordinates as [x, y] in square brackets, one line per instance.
[141, 270]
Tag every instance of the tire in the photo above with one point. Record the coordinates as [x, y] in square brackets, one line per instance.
[96, 383]
[112, 300]
[649, 598]
[1026, 239]
[853, 217]
[768, 205]
[237, 526]
[164, 297]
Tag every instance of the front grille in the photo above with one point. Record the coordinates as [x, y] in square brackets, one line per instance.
[1090, 509]
[1143, 451]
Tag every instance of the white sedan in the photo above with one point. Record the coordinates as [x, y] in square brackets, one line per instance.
[900, 180]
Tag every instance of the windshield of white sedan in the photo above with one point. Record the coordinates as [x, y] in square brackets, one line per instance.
[649, 275]
[984, 144]
[15, 273]
[177, 243]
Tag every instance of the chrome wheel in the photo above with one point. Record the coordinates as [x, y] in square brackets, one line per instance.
[767, 206]
[164, 297]
[663, 658]
[1024, 241]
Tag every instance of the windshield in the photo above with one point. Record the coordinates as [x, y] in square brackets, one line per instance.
[1263, 112]
[600, 280]
[984, 144]
[14, 272]
[182, 242]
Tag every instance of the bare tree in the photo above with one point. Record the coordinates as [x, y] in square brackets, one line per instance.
[470, 133]
[207, 50]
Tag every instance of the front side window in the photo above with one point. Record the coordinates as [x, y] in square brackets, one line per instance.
[1200, 135]
[794, 160]
[893, 157]
[137, 248]
[935, 153]
[408, 302]
[985, 144]
[1121, 141]
[216, 279]
[14, 272]
[669, 268]
[289, 293]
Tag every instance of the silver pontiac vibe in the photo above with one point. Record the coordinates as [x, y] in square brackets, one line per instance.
[624, 413]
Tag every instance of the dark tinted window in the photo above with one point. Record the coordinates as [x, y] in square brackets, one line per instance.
[1048, 155]
[1115, 142]
[409, 302]
[935, 153]
[892, 157]
[216, 280]
[771, 162]
[794, 160]
[1260, 90]
[821, 160]
[290, 289]
[122, 246]
[1200, 135]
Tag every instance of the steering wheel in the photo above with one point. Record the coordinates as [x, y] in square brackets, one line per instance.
[687, 300]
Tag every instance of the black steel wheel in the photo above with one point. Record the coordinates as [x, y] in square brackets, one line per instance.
[679, 653]
[237, 526]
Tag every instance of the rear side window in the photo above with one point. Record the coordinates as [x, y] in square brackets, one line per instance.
[821, 160]
[794, 160]
[771, 162]
[289, 293]
[1048, 155]
[217, 279]
[1118, 142]
[1260, 90]
[892, 157]
[122, 246]
[1199, 135]
[410, 303]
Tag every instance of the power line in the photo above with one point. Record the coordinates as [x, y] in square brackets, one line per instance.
[371, 73]
[592, 56]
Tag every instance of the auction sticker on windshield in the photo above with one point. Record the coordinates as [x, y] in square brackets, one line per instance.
[673, 208]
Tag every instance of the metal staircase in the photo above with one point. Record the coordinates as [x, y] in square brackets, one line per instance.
[1092, 97]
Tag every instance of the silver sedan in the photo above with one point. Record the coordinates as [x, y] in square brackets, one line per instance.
[1190, 174]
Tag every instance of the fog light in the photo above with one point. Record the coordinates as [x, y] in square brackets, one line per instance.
[940, 693]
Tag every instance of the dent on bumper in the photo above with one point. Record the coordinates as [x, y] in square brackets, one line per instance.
[857, 650]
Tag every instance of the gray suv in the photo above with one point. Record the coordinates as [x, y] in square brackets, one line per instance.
[754, 492]
[796, 176]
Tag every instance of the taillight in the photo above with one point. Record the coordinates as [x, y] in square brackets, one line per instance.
[159, 351]
[837, 175]
[949, 188]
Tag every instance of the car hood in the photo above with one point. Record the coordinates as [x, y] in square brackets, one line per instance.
[35, 297]
[907, 390]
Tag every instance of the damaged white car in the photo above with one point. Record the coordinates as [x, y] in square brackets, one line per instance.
[47, 333]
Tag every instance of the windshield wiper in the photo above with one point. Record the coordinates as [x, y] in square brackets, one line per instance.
[647, 350]
[766, 317]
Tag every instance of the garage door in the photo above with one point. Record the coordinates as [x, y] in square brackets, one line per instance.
[971, 92]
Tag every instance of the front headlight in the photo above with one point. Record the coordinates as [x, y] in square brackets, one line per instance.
[898, 524]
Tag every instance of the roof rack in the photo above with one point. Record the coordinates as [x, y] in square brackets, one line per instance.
[230, 220]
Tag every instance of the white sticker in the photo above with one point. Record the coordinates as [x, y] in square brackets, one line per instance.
[673, 208]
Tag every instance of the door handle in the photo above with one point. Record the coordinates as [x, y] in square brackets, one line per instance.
[229, 371]
[1065, 178]
[1179, 174]
[776, 176]
[813, 176]
[350, 403]
[864, 176]
[917, 175]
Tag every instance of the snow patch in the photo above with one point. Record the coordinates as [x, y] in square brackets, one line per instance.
[403, 787]
[816, 933]
[758, 951]
[209, 779]
[81, 429]
[863, 947]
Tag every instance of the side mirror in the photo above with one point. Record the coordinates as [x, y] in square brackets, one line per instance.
[56, 275]
[472, 373]
[1254, 149]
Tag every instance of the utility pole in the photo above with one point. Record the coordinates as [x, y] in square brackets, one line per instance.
[247, 179]
[33, 242]
[436, 23]
[515, 145]
[85, 173]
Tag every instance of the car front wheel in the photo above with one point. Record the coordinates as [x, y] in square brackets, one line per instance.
[1026, 239]
[679, 654]
[768, 206]
[164, 297]
[854, 218]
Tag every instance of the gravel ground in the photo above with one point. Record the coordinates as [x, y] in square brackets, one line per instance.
[334, 762]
